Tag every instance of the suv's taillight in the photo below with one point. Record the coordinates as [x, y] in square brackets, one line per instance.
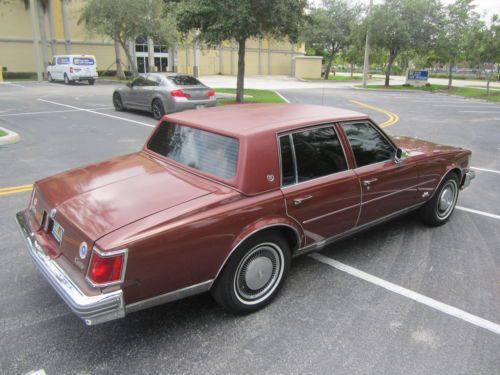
[211, 93]
[107, 268]
[179, 94]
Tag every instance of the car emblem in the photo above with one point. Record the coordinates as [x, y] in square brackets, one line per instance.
[270, 177]
[83, 250]
[53, 213]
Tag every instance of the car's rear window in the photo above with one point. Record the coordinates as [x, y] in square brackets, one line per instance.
[184, 80]
[83, 61]
[208, 152]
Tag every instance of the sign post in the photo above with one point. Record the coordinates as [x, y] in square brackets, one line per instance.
[417, 77]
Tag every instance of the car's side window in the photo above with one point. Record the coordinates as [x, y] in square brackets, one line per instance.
[139, 81]
[314, 153]
[151, 81]
[368, 145]
[287, 163]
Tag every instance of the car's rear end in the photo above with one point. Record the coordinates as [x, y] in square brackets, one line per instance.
[83, 68]
[186, 92]
[65, 256]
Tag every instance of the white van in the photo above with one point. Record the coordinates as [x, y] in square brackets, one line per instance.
[71, 68]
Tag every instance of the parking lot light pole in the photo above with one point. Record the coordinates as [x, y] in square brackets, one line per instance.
[367, 49]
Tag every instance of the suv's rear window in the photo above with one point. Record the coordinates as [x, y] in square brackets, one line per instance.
[184, 80]
[208, 152]
[83, 61]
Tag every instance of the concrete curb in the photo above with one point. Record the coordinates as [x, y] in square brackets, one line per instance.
[10, 138]
[389, 90]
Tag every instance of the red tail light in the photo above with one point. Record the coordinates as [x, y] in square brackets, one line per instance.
[71, 69]
[107, 268]
[211, 93]
[179, 94]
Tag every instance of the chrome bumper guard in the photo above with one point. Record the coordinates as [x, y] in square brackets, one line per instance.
[92, 309]
[469, 176]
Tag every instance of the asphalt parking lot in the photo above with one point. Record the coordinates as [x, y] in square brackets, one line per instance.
[400, 299]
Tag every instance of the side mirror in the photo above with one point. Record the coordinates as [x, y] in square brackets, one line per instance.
[400, 155]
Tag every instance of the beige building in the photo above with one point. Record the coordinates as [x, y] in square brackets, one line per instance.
[22, 46]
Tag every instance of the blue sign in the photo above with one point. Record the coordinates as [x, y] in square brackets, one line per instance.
[418, 75]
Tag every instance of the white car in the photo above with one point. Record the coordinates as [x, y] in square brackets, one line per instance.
[71, 68]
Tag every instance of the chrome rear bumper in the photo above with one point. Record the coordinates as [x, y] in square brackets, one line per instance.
[469, 176]
[92, 309]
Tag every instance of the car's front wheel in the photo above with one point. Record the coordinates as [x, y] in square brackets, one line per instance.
[91, 82]
[67, 81]
[254, 274]
[117, 102]
[49, 77]
[439, 208]
[157, 109]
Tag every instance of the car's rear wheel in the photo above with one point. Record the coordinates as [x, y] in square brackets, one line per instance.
[91, 81]
[439, 208]
[254, 274]
[117, 102]
[49, 77]
[157, 109]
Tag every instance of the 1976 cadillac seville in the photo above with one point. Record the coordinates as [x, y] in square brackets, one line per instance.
[221, 199]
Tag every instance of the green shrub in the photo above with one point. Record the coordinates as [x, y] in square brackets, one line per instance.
[19, 75]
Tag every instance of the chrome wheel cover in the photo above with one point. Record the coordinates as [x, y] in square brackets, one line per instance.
[447, 199]
[259, 273]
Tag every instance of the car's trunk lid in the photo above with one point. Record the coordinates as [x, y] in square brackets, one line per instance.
[90, 202]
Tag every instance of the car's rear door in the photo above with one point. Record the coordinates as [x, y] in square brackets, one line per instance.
[388, 185]
[321, 192]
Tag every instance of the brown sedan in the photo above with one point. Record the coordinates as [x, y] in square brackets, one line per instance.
[221, 199]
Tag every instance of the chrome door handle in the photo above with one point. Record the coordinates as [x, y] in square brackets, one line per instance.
[369, 182]
[298, 201]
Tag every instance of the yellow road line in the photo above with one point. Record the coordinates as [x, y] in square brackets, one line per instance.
[393, 118]
[16, 189]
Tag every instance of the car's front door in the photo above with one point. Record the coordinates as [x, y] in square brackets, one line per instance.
[388, 185]
[134, 93]
[321, 193]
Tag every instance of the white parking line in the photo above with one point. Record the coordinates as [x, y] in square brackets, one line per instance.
[47, 112]
[98, 113]
[417, 297]
[479, 111]
[487, 214]
[282, 97]
[485, 170]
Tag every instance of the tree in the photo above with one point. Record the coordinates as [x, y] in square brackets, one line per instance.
[216, 21]
[457, 21]
[124, 20]
[403, 25]
[329, 28]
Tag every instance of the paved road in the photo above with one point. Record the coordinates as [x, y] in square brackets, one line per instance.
[325, 320]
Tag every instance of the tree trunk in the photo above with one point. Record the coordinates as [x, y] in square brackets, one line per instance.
[119, 68]
[329, 67]
[352, 72]
[240, 81]
[131, 61]
[450, 74]
[392, 57]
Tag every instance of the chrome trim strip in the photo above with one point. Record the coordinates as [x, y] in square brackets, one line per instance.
[331, 213]
[170, 296]
[319, 245]
[251, 234]
[108, 254]
[469, 176]
[363, 203]
[92, 309]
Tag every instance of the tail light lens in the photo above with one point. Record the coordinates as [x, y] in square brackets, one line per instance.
[107, 268]
[71, 69]
[211, 93]
[179, 94]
